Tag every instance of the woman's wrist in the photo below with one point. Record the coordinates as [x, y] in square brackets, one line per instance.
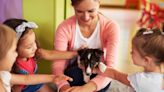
[64, 88]
[91, 86]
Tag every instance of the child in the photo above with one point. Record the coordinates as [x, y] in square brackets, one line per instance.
[147, 52]
[8, 56]
[26, 48]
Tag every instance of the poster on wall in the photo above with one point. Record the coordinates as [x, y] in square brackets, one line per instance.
[130, 4]
[113, 2]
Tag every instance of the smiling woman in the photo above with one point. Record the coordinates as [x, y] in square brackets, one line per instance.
[87, 28]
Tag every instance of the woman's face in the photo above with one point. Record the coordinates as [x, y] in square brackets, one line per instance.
[86, 11]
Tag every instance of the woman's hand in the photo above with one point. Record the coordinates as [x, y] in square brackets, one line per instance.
[64, 88]
[77, 89]
[89, 87]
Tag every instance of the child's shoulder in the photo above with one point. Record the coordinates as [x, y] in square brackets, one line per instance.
[5, 77]
[4, 73]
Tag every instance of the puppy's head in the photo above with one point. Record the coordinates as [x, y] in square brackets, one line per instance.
[89, 59]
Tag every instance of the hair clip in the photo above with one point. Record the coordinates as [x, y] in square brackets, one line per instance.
[148, 32]
[21, 28]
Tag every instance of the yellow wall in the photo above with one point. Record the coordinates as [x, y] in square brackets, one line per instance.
[47, 14]
[69, 9]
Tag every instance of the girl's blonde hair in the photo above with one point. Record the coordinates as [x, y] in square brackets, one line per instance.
[7, 36]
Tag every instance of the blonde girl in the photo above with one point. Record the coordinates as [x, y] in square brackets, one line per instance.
[8, 56]
[147, 52]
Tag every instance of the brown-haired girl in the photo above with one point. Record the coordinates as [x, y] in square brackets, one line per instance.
[26, 48]
[147, 52]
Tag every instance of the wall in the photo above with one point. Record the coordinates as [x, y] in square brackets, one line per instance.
[47, 14]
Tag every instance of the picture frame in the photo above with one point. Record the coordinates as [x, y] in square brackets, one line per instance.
[129, 4]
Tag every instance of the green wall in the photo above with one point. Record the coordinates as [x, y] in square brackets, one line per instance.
[47, 14]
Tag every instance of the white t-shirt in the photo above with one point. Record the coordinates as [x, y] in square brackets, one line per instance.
[146, 82]
[92, 42]
[6, 77]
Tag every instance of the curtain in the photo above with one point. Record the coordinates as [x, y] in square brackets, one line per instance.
[10, 9]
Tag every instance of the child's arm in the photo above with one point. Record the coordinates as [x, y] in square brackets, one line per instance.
[54, 54]
[36, 79]
[114, 74]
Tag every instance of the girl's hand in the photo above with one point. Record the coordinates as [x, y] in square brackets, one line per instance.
[59, 78]
[45, 54]
[54, 54]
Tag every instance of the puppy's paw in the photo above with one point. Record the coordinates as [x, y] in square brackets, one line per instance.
[102, 67]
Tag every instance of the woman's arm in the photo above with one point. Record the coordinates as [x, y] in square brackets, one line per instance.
[54, 54]
[89, 87]
[111, 38]
[36, 79]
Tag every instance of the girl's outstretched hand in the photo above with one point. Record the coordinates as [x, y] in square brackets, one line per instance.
[54, 54]
[45, 54]
[59, 78]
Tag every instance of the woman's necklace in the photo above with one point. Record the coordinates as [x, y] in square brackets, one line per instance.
[88, 30]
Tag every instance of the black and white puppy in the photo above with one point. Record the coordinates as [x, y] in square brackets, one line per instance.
[90, 59]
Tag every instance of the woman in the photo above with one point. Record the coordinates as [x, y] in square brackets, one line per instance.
[88, 28]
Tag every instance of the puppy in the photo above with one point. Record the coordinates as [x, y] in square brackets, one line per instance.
[90, 59]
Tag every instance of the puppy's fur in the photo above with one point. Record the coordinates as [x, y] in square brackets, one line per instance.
[89, 59]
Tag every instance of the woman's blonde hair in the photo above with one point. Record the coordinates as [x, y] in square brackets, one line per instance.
[7, 36]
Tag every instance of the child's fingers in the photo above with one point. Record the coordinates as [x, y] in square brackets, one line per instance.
[61, 78]
[39, 52]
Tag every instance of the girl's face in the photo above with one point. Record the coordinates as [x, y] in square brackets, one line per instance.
[86, 11]
[27, 46]
[136, 57]
[10, 57]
